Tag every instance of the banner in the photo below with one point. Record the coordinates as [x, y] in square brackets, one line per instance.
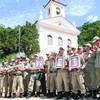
[74, 62]
[60, 62]
[39, 63]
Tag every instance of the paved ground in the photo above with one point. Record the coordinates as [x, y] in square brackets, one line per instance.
[39, 98]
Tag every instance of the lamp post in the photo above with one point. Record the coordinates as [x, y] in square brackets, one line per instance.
[19, 40]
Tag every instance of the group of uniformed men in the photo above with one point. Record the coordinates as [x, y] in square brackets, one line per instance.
[76, 75]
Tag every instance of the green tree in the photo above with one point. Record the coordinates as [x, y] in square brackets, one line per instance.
[88, 31]
[29, 39]
[7, 40]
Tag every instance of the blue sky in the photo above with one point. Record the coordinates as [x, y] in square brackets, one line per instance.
[17, 12]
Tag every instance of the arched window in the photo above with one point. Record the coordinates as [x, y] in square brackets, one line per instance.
[69, 42]
[50, 40]
[49, 11]
[57, 10]
[60, 41]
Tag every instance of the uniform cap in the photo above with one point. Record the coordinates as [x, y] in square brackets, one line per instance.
[36, 55]
[27, 59]
[61, 48]
[88, 44]
[18, 57]
[12, 59]
[95, 39]
[48, 53]
[80, 47]
[54, 52]
[73, 48]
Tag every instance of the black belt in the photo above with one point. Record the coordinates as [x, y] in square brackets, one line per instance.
[53, 71]
[35, 72]
[58, 68]
[74, 70]
[17, 74]
[10, 74]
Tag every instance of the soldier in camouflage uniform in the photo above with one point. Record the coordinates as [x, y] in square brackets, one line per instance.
[96, 41]
[62, 76]
[4, 78]
[34, 76]
[26, 77]
[18, 77]
[89, 71]
[77, 77]
[10, 76]
[52, 74]
[47, 69]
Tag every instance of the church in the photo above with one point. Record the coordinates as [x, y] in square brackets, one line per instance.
[55, 30]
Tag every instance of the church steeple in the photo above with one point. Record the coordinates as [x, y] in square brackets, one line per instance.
[55, 8]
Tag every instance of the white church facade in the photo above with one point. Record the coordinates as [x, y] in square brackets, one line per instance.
[55, 31]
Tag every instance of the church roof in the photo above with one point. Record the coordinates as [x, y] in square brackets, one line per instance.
[54, 1]
[54, 22]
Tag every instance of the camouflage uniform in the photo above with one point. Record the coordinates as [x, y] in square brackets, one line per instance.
[10, 76]
[34, 77]
[18, 78]
[26, 77]
[77, 78]
[4, 78]
[62, 77]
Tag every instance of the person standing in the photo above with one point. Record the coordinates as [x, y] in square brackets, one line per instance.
[26, 76]
[53, 75]
[47, 70]
[96, 41]
[34, 78]
[3, 79]
[62, 75]
[76, 63]
[89, 71]
[18, 77]
[10, 76]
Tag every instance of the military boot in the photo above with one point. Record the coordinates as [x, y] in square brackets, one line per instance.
[25, 94]
[89, 94]
[0, 95]
[29, 95]
[74, 96]
[21, 95]
[94, 94]
[59, 96]
[51, 95]
[66, 96]
[83, 96]
[37, 94]
[9, 95]
[47, 94]
[14, 95]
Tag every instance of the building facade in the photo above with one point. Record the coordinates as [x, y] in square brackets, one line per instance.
[55, 30]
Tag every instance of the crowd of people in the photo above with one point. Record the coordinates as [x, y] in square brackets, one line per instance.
[75, 75]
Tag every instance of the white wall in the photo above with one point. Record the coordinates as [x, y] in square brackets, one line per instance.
[45, 48]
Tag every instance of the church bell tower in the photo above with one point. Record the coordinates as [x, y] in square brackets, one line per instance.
[55, 8]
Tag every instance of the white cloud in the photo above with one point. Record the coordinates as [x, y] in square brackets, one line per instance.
[79, 7]
[15, 19]
[17, 0]
[92, 18]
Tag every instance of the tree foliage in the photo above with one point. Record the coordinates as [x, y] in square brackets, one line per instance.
[9, 40]
[88, 31]
[29, 39]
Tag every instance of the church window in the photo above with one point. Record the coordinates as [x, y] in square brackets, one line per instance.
[60, 41]
[50, 40]
[57, 10]
[49, 11]
[69, 42]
